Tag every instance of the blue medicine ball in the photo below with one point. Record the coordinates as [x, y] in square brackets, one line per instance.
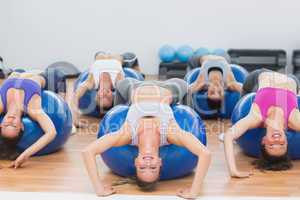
[176, 161]
[167, 53]
[60, 114]
[184, 53]
[222, 53]
[219, 52]
[250, 142]
[201, 52]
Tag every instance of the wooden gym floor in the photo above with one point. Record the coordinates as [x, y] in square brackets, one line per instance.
[64, 171]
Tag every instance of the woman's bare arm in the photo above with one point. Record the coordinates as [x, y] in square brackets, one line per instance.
[233, 84]
[198, 84]
[1, 106]
[119, 77]
[237, 130]
[119, 138]
[179, 137]
[49, 134]
[294, 121]
[88, 84]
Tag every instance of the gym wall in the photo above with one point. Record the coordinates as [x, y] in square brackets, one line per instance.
[35, 33]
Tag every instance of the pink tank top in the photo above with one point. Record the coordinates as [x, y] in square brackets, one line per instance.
[268, 97]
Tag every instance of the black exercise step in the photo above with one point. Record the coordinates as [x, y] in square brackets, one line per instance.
[296, 58]
[252, 59]
[172, 70]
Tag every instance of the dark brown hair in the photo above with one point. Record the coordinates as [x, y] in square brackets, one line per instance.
[134, 180]
[214, 104]
[8, 147]
[146, 186]
[273, 163]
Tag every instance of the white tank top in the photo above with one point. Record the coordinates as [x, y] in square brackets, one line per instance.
[143, 109]
[111, 66]
[221, 65]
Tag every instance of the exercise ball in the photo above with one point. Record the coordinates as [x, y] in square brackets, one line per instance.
[201, 52]
[60, 114]
[176, 161]
[167, 53]
[250, 142]
[184, 53]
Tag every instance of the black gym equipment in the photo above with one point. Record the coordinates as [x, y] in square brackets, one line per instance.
[20, 70]
[172, 70]
[296, 58]
[4, 72]
[252, 59]
[296, 63]
[69, 70]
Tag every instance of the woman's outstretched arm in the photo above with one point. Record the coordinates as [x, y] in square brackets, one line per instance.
[49, 135]
[179, 137]
[88, 84]
[198, 84]
[294, 122]
[233, 84]
[119, 138]
[237, 130]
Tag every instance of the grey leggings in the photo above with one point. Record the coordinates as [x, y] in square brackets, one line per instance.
[124, 89]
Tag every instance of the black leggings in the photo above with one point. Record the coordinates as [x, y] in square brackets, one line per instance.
[55, 80]
[251, 82]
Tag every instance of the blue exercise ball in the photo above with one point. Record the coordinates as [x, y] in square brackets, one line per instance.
[250, 142]
[201, 52]
[167, 53]
[60, 114]
[176, 161]
[219, 52]
[199, 100]
[184, 53]
[87, 103]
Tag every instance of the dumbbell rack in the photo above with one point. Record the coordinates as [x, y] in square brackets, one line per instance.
[252, 59]
[296, 63]
[172, 70]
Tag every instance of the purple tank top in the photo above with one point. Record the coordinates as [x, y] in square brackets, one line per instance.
[30, 88]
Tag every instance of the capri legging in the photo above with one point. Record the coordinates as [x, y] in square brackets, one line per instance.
[55, 80]
[124, 88]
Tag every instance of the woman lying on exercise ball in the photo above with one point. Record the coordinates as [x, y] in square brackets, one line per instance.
[149, 124]
[103, 76]
[215, 76]
[21, 94]
[275, 107]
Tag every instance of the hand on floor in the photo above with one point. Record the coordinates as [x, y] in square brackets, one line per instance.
[221, 137]
[73, 129]
[186, 194]
[106, 190]
[239, 174]
[19, 161]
